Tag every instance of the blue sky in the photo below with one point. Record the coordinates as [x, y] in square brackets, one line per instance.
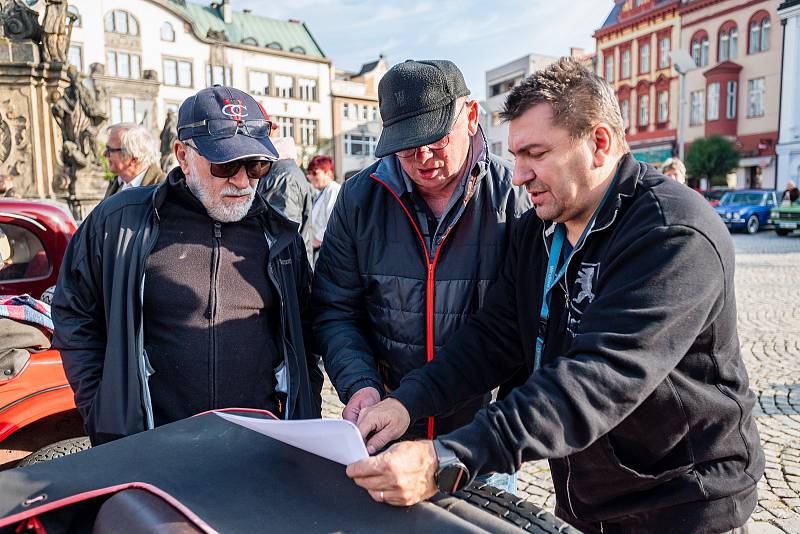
[475, 34]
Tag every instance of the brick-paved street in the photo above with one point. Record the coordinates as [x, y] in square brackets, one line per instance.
[768, 297]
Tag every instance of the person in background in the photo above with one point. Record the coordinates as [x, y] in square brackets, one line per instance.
[132, 155]
[287, 189]
[790, 194]
[675, 169]
[320, 175]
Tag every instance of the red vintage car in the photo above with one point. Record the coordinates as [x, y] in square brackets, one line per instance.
[33, 238]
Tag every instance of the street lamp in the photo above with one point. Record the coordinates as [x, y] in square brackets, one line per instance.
[682, 62]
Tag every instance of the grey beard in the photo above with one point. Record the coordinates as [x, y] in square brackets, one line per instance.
[216, 207]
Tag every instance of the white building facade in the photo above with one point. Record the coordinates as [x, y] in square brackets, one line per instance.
[788, 149]
[499, 81]
[156, 53]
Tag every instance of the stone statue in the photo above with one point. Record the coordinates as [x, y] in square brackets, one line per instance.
[19, 22]
[169, 134]
[79, 115]
[55, 33]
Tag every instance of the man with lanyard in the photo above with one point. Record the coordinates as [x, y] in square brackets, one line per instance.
[413, 243]
[188, 296]
[635, 391]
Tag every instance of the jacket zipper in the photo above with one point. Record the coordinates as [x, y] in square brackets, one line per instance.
[212, 312]
[566, 303]
[430, 293]
[273, 278]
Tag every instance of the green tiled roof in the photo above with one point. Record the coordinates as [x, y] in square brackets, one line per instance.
[263, 29]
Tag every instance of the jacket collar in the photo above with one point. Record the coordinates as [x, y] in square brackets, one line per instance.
[278, 228]
[391, 174]
[629, 173]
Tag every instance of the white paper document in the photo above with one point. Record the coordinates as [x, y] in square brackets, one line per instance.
[334, 439]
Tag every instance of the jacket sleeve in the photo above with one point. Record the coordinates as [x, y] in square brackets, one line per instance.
[339, 309]
[79, 319]
[315, 376]
[651, 305]
[481, 355]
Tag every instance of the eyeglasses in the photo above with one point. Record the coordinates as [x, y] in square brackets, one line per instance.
[436, 145]
[108, 151]
[224, 128]
[255, 168]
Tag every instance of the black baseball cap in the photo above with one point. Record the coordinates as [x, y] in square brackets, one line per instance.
[418, 103]
[221, 107]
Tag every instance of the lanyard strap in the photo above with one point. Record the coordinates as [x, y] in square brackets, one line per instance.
[552, 277]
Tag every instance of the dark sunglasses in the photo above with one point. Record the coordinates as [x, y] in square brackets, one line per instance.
[224, 128]
[255, 168]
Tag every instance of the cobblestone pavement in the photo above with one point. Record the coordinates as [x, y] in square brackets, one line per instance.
[768, 299]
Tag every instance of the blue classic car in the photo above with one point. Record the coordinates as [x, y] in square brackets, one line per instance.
[746, 210]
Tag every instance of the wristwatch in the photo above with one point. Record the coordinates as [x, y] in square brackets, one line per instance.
[452, 474]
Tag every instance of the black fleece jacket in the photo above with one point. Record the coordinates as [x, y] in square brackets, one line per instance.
[642, 403]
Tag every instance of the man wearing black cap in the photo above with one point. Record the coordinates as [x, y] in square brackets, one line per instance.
[184, 297]
[414, 241]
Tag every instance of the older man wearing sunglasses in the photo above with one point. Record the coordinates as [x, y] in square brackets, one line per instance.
[185, 297]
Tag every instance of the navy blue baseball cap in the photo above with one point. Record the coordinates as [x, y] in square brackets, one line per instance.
[226, 124]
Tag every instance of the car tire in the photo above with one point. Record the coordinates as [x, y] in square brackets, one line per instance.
[56, 450]
[510, 509]
[782, 231]
[753, 224]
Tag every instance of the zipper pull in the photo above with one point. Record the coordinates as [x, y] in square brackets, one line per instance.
[217, 230]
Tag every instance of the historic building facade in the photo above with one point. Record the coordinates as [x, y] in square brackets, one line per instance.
[735, 88]
[633, 54]
[356, 117]
[150, 55]
[788, 150]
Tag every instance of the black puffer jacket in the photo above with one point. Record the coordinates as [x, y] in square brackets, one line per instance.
[381, 307]
[287, 189]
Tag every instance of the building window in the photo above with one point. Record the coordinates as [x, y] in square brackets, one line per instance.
[297, 50]
[75, 56]
[625, 65]
[730, 112]
[353, 112]
[644, 110]
[307, 89]
[712, 101]
[285, 126]
[167, 32]
[664, 48]
[119, 21]
[258, 82]
[218, 75]
[644, 58]
[274, 46]
[609, 68]
[76, 15]
[359, 145]
[700, 50]
[345, 110]
[759, 34]
[755, 97]
[696, 100]
[123, 65]
[625, 111]
[374, 113]
[123, 109]
[250, 41]
[284, 86]
[364, 113]
[178, 73]
[663, 107]
[308, 132]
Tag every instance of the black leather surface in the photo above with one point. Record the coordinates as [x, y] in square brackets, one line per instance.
[234, 479]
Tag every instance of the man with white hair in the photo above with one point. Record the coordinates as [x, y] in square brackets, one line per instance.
[132, 155]
[186, 297]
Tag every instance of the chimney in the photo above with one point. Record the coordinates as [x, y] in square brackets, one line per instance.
[576, 52]
[227, 11]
